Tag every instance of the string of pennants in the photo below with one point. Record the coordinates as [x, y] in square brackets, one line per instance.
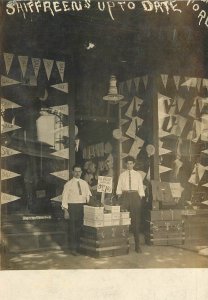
[36, 65]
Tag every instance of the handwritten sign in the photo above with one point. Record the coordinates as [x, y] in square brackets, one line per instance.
[104, 184]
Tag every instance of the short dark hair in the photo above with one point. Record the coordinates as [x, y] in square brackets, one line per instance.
[76, 166]
[130, 158]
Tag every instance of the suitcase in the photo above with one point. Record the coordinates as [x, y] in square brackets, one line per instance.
[168, 215]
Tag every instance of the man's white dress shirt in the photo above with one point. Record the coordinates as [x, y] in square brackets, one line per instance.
[136, 183]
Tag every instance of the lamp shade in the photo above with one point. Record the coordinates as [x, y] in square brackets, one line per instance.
[113, 97]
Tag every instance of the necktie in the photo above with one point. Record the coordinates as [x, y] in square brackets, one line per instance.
[79, 187]
[129, 180]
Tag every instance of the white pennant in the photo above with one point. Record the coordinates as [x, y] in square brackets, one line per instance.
[124, 139]
[131, 131]
[191, 82]
[205, 202]
[123, 155]
[163, 169]
[8, 152]
[164, 79]
[63, 87]
[163, 98]
[137, 81]
[5, 174]
[180, 102]
[5, 81]
[63, 109]
[6, 104]
[6, 198]
[48, 63]
[202, 102]
[64, 153]
[163, 133]
[136, 147]
[8, 58]
[128, 82]
[206, 185]
[6, 127]
[205, 151]
[179, 126]
[36, 65]
[192, 111]
[163, 151]
[23, 60]
[61, 174]
[135, 103]
[176, 80]
[57, 198]
[145, 80]
[61, 68]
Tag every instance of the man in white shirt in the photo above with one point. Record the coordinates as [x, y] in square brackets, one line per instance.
[130, 190]
[76, 193]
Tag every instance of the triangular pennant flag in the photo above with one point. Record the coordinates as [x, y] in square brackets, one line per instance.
[197, 174]
[199, 82]
[120, 88]
[5, 81]
[176, 80]
[202, 102]
[6, 198]
[5, 174]
[172, 110]
[163, 169]
[8, 58]
[163, 133]
[124, 139]
[57, 198]
[122, 103]
[192, 112]
[123, 155]
[137, 81]
[164, 79]
[161, 119]
[196, 130]
[205, 151]
[63, 87]
[205, 83]
[8, 152]
[6, 127]
[206, 185]
[61, 68]
[63, 109]
[48, 63]
[23, 60]
[132, 130]
[180, 102]
[36, 65]
[123, 121]
[128, 82]
[6, 104]
[64, 153]
[191, 82]
[145, 80]
[160, 144]
[134, 107]
[178, 127]
[61, 174]
[163, 151]
[206, 203]
[135, 148]
[162, 100]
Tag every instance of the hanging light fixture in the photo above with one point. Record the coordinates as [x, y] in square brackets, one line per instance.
[113, 97]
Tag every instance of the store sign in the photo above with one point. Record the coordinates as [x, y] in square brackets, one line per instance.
[104, 184]
[33, 218]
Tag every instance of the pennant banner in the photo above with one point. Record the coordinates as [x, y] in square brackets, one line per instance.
[63, 87]
[163, 169]
[163, 151]
[145, 80]
[197, 174]
[164, 79]
[133, 128]
[48, 67]
[206, 203]
[61, 68]
[36, 65]
[180, 102]
[123, 155]
[137, 81]
[6, 104]
[6, 127]
[206, 185]
[64, 153]
[134, 107]
[5, 81]
[202, 102]
[57, 198]
[176, 80]
[135, 148]
[5, 174]
[63, 109]
[163, 133]
[205, 151]
[8, 58]
[178, 127]
[23, 60]
[8, 152]
[191, 82]
[124, 139]
[6, 198]
[62, 174]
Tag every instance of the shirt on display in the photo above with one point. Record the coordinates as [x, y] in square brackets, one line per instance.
[130, 180]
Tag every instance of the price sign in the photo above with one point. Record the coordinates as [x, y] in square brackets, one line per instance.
[104, 184]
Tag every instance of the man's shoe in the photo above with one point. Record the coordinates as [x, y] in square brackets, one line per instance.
[138, 250]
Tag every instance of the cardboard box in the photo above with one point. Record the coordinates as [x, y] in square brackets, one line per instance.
[115, 222]
[107, 223]
[125, 215]
[93, 209]
[113, 208]
[93, 223]
[93, 216]
[125, 221]
[115, 215]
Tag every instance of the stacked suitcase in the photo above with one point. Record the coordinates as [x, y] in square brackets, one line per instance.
[166, 227]
[105, 233]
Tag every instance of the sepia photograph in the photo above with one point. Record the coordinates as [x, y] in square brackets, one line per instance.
[104, 136]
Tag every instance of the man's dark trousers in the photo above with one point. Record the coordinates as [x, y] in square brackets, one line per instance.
[76, 215]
